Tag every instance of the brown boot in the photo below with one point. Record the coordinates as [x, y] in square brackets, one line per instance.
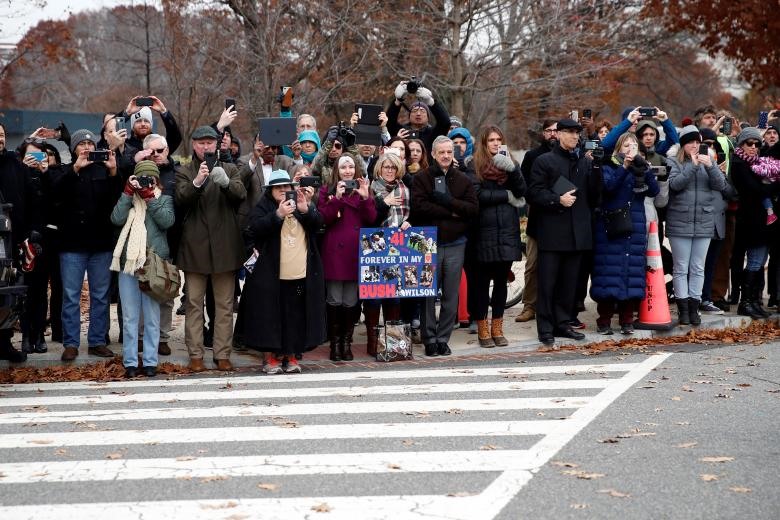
[372, 320]
[196, 365]
[224, 365]
[483, 333]
[163, 349]
[70, 353]
[497, 332]
[528, 314]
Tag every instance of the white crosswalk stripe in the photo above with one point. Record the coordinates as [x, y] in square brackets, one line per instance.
[487, 430]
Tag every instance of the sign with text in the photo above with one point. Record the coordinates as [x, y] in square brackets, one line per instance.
[397, 264]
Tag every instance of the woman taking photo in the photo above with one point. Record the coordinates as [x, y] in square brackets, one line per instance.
[391, 197]
[694, 183]
[618, 279]
[499, 185]
[283, 298]
[346, 205]
[144, 214]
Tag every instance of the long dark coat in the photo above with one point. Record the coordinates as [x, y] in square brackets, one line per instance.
[751, 215]
[498, 230]
[260, 313]
[619, 263]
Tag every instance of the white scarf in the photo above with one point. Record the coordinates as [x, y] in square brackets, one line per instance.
[134, 234]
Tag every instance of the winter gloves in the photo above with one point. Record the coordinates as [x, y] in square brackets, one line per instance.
[219, 176]
[423, 94]
[502, 162]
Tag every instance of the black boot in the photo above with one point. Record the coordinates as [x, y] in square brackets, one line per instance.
[747, 305]
[334, 330]
[40, 345]
[683, 312]
[693, 311]
[348, 322]
[27, 346]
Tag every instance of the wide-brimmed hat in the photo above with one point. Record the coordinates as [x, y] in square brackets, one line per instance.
[279, 177]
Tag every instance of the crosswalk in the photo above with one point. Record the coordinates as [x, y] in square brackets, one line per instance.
[456, 443]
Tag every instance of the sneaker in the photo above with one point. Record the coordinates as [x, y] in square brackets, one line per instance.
[627, 328]
[272, 366]
[710, 308]
[576, 324]
[606, 330]
[771, 219]
[292, 366]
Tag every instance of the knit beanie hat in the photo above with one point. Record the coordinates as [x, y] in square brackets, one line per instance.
[708, 134]
[79, 136]
[750, 132]
[146, 169]
[688, 134]
[144, 113]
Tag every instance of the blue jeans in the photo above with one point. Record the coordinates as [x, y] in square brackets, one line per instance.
[133, 302]
[72, 268]
[756, 258]
[689, 255]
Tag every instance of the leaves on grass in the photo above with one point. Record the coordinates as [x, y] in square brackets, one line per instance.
[614, 493]
[716, 459]
[708, 477]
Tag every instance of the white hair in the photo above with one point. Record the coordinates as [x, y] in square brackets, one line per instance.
[298, 120]
[442, 139]
[151, 137]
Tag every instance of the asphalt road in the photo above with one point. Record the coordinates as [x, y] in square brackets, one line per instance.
[688, 434]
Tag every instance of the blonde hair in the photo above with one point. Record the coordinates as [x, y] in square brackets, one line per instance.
[392, 159]
[622, 139]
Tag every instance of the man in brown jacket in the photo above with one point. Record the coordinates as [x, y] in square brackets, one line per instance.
[211, 244]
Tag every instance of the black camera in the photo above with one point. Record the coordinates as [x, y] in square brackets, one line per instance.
[98, 156]
[351, 185]
[290, 195]
[311, 181]
[727, 125]
[342, 130]
[413, 85]
[648, 111]
[145, 181]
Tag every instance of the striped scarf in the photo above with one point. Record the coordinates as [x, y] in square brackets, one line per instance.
[134, 235]
[397, 214]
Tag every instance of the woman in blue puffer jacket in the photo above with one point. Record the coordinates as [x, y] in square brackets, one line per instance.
[618, 279]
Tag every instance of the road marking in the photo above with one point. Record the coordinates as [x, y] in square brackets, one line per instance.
[272, 410]
[375, 375]
[275, 393]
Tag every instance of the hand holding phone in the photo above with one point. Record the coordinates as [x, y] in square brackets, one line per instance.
[144, 101]
[230, 104]
[763, 118]
[502, 149]
[211, 159]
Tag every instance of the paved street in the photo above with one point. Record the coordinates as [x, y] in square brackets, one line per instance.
[557, 436]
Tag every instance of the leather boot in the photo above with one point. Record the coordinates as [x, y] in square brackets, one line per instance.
[757, 295]
[348, 324]
[372, 320]
[40, 345]
[747, 306]
[693, 311]
[497, 332]
[683, 313]
[483, 333]
[334, 331]
[27, 345]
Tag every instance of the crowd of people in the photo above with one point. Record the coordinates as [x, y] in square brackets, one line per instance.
[286, 220]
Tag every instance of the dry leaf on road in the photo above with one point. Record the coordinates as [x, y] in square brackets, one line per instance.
[115, 455]
[686, 445]
[739, 489]
[223, 505]
[716, 459]
[584, 475]
[614, 493]
[268, 487]
[213, 478]
[488, 447]
[707, 477]
[321, 508]
[460, 494]
[185, 457]
[564, 464]
[394, 466]
[579, 506]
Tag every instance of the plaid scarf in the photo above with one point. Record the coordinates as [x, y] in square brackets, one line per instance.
[397, 214]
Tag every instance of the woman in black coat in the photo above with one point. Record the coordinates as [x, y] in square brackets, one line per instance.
[500, 187]
[283, 301]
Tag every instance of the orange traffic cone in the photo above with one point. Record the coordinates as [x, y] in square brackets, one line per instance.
[654, 308]
[463, 313]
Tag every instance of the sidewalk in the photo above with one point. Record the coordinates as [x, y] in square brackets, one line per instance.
[522, 338]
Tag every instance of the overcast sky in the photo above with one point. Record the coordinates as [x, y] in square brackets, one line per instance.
[17, 16]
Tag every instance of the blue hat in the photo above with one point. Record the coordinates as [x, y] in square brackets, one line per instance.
[310, 135]
[465, 134]
[279, 177]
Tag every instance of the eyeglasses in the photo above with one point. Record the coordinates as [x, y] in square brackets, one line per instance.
[158, 151]
[550, 130]
[389, 167]
[751, 143]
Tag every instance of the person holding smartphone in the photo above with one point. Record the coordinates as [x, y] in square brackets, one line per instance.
[694, 183]
[284, 295]
[139, 115]
[346, 205]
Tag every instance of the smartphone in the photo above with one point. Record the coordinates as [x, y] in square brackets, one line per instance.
[287, 96]
[727, 123]
[763, 117]
[413, 134]
[704, 149]
[721, 157]
[119, 123]
[230, 102]
[503, 150]
[98, 156]
[659, 171]
[290, 195]
[575, 115]
[351, 185]
[439, 184]
[592, 145]
[648, 112]
[144, 102]
[211, 159]
[38, 156]
[587, 113]
[311, 182]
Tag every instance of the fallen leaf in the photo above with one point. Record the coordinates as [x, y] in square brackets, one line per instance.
[185, 457]
[707, 477]
[40, 441]
[394, 466]
[614, 493]
[268, 487]
[115, 455]
[408, 442]
[676, 398]
[579, 506]
[739, 489]
[686, 445]
[184, 477]
[61, 451]
[460, 494]
[561, 464]
[584, 475]
[321, 508]
[609, 440]
[488, 447]
[716, 459]
[224, 505]
[744, 385]
[213, 478]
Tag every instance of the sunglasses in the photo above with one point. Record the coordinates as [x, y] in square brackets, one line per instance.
[337, 145]
[752, 143]
[158, 151]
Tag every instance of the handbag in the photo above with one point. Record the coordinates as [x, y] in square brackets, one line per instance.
[158, 278]
[395, 341]
[618, 222]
